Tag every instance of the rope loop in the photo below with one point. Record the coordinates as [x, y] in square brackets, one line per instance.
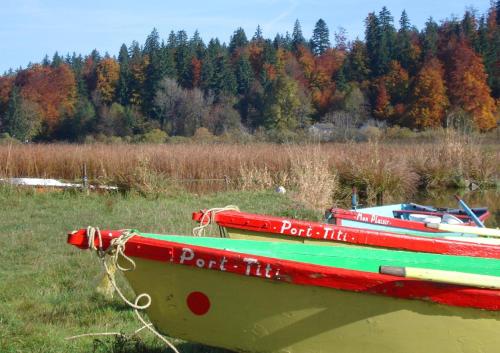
[208, 218]
[114, 252]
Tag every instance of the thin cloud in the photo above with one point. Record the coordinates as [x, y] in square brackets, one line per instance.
[283, 15]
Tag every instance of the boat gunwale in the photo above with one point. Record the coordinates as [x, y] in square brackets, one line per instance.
[350, 235]
[300, 273]
[391, 222]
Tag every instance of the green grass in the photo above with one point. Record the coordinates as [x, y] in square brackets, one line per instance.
[48, 288]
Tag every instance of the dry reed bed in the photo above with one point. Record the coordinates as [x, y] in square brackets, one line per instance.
[374, 166]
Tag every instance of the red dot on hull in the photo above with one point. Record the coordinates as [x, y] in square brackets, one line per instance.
[198, 303]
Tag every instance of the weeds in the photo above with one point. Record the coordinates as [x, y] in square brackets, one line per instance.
[392, 168]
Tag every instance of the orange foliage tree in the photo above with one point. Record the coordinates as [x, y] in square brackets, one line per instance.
[468, 88]
[6, 83]
[428, 98]
[108, 72]
[382, 108]
[53, 89]
[138, 67]
[319, 72]
[196, 66]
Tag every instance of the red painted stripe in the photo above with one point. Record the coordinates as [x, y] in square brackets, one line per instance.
[331, 232]
[297, 272]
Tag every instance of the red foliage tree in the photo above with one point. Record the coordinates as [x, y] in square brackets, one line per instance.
[53, 89]
[468, 88]
[6, 83]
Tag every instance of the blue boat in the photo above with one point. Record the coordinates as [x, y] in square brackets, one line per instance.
[405, 218]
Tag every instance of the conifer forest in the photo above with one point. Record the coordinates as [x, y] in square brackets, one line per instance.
[445, 75]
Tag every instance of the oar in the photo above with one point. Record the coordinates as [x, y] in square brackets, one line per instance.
[471, 214]
[457, 228]
[441, 276]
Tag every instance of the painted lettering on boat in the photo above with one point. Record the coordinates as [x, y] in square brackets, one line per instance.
[372, 219]
[287, 227]
[247, 265]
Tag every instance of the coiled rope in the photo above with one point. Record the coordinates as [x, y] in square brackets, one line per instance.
[208, 218]
[114, 252]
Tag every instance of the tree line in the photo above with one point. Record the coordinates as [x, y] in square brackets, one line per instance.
[444, 75]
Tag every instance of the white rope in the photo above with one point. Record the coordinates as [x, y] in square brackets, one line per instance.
[208, 218]
[115, 251]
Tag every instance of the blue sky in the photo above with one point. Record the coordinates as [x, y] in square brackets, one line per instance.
[29, 29]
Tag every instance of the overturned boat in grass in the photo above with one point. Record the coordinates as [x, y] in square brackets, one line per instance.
[242, 225]
[267, 297]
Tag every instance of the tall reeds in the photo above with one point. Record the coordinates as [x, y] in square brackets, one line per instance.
[394, 169]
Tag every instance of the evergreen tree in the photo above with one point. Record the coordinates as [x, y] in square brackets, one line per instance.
[224, 80]
[356, 66]
[46, 61]
[282, 106]
[122, 90]
[341, 39]
[430, 39]
[197, 47]
[404, 50]
[244, 75]
[238, 40]
[469, 28]
[154, 71]
[23, 118]
[279, 41]
[297, 36]
[258, 37]
[497, 11]
[372, 37]
[172, 40]
[56, 60]
[214, 50]
[387, 37]
[76, 63]
[152, 44]
[320, 40]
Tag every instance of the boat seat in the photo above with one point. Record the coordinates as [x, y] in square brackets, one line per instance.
[450, 219]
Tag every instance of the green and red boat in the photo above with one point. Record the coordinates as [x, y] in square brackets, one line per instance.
[242, 225]
[270, 297]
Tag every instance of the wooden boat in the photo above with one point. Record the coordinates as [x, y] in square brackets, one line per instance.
[261, 297]
[403, 218]
[242, 225]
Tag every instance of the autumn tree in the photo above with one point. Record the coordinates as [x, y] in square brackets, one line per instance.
[6, 85]
[108, 73]
[52, 89]
[428, 102]
[138, 64]
[382, 108]
[468, 87]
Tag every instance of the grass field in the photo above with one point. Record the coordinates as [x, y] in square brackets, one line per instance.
[47, 288]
